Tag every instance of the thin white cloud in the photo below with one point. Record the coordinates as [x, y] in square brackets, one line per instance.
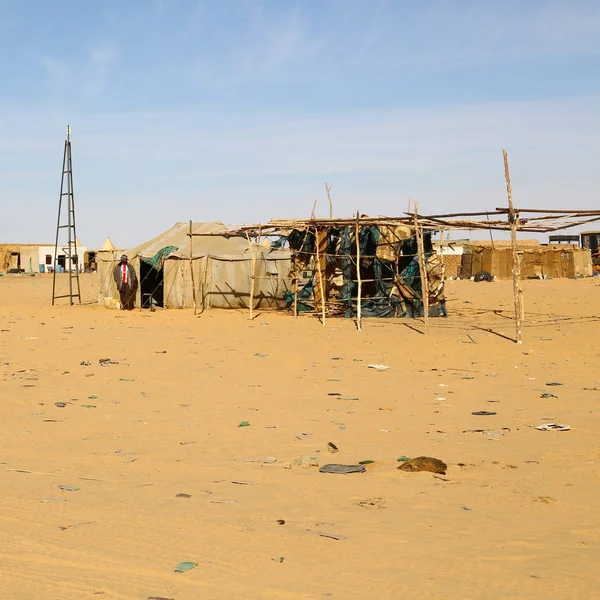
[98, 67]
[245, 167]
[436, 35]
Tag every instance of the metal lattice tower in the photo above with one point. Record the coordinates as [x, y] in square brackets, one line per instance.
[71, 259]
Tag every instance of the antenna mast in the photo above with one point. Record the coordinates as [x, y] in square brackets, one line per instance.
[68, 258]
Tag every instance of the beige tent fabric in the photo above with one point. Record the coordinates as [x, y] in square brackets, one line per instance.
[221, 266]
[389, 237]
[107, 246]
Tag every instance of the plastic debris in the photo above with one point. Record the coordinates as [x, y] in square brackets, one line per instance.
[244, 424]
[182, 495]
[547, 395]
[553, 427]
[332, 536]
[60, 404]
[184, 567]
[378, 367]
[332, 447]
[554, 383]
[403, 459]
[366, 462]
[68, 488]
[483, 413]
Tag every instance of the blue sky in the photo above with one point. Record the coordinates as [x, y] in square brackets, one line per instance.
[240, 110]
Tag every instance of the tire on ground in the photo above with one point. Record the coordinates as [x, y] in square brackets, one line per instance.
[483, 276]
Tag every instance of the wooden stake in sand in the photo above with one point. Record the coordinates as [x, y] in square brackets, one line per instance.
[422, 268]
[295, 289]
[192, 267]
[358, 276]
[513, 219]
[251, 277]
[321, 290]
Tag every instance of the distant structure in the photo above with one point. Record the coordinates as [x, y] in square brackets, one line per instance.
[108, 246]
[69, 251]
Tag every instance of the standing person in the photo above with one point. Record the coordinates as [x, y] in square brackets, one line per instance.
[127, 283]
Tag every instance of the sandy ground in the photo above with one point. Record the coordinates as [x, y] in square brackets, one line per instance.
[516, 516]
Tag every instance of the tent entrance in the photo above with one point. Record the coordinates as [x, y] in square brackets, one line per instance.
[151, 285]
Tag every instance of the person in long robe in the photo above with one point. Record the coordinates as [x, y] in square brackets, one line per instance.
[127, 283]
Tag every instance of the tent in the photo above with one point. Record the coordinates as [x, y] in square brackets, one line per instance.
[108, 245]
[222, 268]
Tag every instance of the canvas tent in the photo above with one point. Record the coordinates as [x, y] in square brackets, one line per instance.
[222, 265]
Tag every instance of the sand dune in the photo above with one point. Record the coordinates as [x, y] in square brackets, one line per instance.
[515, 516]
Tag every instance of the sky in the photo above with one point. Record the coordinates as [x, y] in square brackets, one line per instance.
[241, 110]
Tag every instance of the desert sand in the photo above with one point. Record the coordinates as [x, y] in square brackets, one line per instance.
[516, 515]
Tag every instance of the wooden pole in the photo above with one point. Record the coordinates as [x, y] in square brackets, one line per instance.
[322, 290]
[328, 190]
[192, 267]
[513, 219]
[422, 268]
[295, 284]
[251, 278]
[358, 276]
[204, 274]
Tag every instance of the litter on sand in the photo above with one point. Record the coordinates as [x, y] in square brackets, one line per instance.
[332, 447]
[68, 488]
[378, 367]
[553, 427]
[483, 413]
[184, 567]
[548, 395]
[342, 469]
[333, 536]
[553, 383]
[244, 424]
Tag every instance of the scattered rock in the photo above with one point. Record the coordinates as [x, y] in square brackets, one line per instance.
[306, 462]
[342, 469]
[424, 463]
